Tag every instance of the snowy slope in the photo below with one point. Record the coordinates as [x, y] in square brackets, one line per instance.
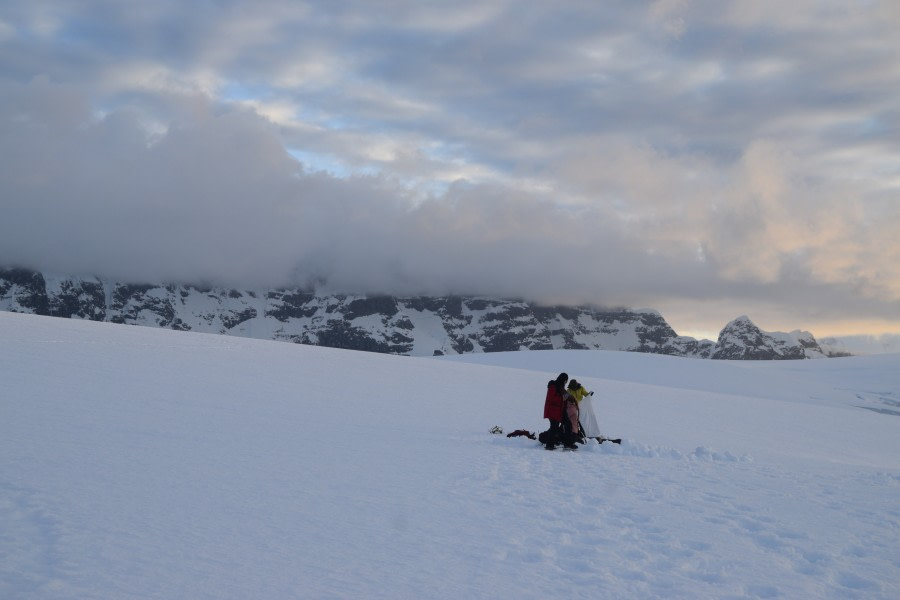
[148, 463]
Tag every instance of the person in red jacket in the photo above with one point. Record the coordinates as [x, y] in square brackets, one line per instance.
[554, 411]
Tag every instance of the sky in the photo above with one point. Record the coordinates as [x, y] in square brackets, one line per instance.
[707, 159]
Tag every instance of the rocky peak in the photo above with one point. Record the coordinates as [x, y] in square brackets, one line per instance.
[741, 339]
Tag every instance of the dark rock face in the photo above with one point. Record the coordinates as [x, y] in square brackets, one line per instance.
[421, 326]
[743, 340]
[25, 289]
[81, 299]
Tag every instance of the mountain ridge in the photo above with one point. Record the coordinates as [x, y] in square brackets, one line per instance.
[415, 326]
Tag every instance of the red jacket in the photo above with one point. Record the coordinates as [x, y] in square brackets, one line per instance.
[554, 404]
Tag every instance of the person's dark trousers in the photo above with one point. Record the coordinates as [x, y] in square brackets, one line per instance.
[555, 433]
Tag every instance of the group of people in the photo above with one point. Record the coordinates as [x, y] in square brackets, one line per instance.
[570, 412]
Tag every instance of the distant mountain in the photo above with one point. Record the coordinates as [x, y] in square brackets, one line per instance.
[742, 340]
[416, 326]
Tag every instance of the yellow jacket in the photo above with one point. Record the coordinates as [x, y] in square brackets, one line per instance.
[579, 394]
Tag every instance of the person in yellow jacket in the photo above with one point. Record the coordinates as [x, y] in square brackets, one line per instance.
[585, 410]
[578, 391]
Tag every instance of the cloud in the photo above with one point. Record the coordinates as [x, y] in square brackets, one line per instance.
[681, 155]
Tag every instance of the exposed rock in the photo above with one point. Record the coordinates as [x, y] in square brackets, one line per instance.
[741, 339]
[420, 326]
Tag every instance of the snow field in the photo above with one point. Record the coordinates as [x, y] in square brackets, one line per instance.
[144, 463]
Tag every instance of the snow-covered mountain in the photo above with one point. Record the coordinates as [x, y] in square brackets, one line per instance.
[419, 326]
[743, 340]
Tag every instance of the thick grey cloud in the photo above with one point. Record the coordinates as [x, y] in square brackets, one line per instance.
[708, 159]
